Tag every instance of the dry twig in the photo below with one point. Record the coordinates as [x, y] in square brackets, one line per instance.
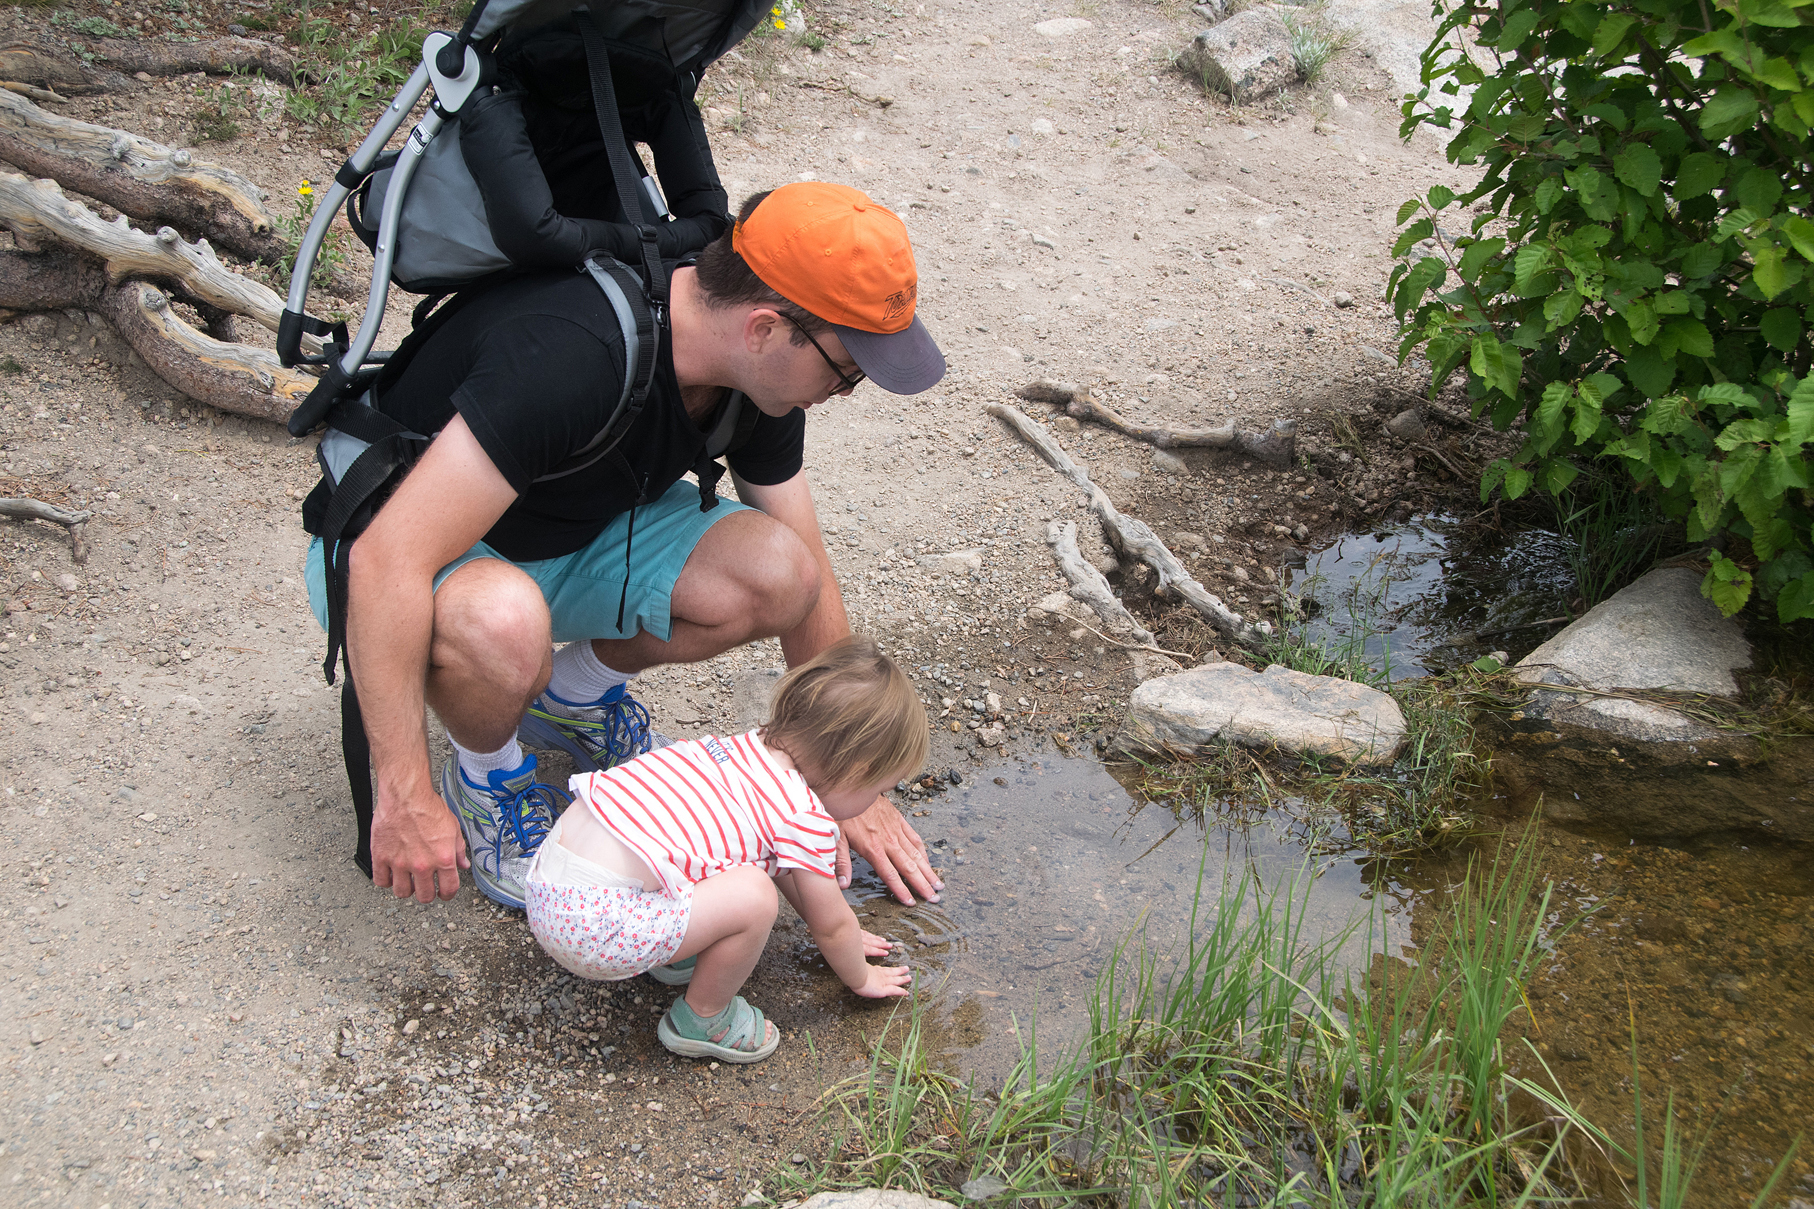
[75, 522]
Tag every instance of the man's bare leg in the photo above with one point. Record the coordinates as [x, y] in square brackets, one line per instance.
[749, 577]
[491, 652]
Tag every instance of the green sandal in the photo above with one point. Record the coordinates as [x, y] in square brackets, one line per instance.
[675, 974]
[740, 1033]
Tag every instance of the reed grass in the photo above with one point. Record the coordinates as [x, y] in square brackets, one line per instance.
[1245, 1069]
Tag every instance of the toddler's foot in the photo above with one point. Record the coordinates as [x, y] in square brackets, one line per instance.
[739, 1033]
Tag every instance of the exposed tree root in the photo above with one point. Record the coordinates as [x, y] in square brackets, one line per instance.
[1275, 447]
[1135, 538]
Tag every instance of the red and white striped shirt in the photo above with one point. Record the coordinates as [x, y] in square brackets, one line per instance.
[702, 806]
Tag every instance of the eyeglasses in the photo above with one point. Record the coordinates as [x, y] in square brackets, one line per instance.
[846, 382]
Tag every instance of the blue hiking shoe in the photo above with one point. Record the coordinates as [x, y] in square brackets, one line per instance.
[505, 820]
[597, 734]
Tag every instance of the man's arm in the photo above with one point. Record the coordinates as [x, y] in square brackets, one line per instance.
[448, 502]
[880, 835]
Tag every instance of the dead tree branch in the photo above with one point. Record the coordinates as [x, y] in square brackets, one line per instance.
[147, 180]
[239, 378]
[1276, 447]
[1134, 537]
[37, 212]
[216, 56]
[75, 522]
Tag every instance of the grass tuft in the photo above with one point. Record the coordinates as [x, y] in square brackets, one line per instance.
[1316, 41]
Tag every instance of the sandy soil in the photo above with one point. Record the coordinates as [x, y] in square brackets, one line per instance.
[200, 991]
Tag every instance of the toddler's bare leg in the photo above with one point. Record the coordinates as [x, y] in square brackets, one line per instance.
[731, 919]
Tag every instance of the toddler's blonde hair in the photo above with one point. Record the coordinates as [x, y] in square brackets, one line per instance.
[848, 716]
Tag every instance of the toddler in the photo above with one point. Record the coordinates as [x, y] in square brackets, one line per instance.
[668, 864]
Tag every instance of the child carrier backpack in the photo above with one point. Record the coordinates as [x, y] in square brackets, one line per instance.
[523, 160]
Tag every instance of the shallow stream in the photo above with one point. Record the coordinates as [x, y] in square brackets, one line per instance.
[1704, 950]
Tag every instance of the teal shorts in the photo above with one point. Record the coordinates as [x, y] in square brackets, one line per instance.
[583, 588]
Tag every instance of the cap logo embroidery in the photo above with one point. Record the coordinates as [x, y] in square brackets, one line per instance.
[900, 303]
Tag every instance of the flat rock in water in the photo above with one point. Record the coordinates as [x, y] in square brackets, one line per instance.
[873, 1198]
[1294, 711]
[1659, 633]
[1244, 57]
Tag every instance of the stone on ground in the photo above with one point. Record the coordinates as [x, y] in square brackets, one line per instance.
[1245, 57]
[874, 1198]
[1293, 711]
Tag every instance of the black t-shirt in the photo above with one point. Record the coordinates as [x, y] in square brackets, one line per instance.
[536, 368]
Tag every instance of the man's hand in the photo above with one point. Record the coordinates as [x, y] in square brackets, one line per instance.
[883, 838]
[416, 843]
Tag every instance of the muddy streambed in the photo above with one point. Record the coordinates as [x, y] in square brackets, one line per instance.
[1707, 949]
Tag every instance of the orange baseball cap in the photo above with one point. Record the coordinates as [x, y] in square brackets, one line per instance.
[833, 251]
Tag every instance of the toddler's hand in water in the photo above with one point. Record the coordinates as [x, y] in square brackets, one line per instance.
[877, 946]
[886, 982]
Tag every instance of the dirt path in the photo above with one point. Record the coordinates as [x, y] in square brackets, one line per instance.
[202, 994]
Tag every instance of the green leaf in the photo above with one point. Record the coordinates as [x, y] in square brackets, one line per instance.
[1642, 318]
[1549, 410]
[1673, 302]
[1772, 12]
[1601, 387]
[1477, 255]
[1440, 196]
[1796, 600]
[1611, 31]
[1517, 482]
[1587, 417]
[1407, 210]
[1650, 371]
[1727, 585]
[1691, 337]
[1531, 259]
[1517, 28]
[1413, 235]
[1744, 432]
[1758, 189]
[1778, 73]
[1801, 233]
[1638, 167]
[1801, 412]
[1497, 365]
[1768, 272]
[1737, 220]
[1561, 308]
[1549, 192]
[1781, 329]
[1557, 475]
[1728, 111]
[1702, 260]
[1700, 173]
[1720, 42]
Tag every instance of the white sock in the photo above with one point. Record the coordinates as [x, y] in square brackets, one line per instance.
[477, 764]
[579, 676]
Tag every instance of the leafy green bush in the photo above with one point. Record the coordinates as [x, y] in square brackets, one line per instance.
[1634, 282]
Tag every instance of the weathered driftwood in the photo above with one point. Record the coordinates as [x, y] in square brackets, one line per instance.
[37, 212]
[43, 65]
[1088, 585]
[1276, 447]
[233, 377]
[1136, 538]
[216, 56]
[136, 176]
[75, 522]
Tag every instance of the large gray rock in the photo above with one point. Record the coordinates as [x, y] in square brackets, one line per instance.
[1244, 57]
[1659, 634]
[1295, 711]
